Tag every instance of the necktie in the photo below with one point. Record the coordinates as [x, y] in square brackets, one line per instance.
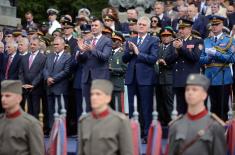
[215, 39]
[140, 41]
[55, 60]
[8, 66]
[30, 60]
[94, 41]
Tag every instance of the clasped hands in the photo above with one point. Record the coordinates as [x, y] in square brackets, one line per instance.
[210, 51]
[133, 47]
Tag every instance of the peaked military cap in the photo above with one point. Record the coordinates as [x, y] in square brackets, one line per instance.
[132, 20]
[107, 29]
[85, 28]
[108, 17]
[118, 36]
[52, 11]
[215, 19]
[13, 86]
[167, 31]
[185, 23]
[198, 79]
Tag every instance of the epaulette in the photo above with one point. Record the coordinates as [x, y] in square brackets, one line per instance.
[197, 37]
[216, 118]
[120, 115]
[174, 120]
[83, 117]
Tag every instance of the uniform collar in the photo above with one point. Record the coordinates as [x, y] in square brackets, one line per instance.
[14, 115]
[197, 116]
[101, 115]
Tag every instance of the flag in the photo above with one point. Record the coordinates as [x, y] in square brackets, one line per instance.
[136, 137]
[53, 138]
[154, 141]
[231, 138]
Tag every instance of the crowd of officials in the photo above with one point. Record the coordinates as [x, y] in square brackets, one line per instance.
[150, 55]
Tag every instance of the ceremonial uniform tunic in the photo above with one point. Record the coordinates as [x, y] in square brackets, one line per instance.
[185, 130]
[106, 134]
[218, 71]
[20, 134]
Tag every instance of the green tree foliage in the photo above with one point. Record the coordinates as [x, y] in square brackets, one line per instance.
[39, 7]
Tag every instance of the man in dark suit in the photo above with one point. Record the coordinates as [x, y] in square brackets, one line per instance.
[186, 60]
[159, 11]
[141, 56]
[56, 73]
[94, 55]
[11, 62]
[30, 74]
[164, 89]
[200, 21]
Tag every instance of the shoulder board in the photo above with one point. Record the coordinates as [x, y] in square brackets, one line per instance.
[174, 120]
[83, 117]
[120, 115]
[216, 118]
[197, 37]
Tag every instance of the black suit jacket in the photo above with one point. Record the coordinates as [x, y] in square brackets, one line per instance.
[60, 73]
[1, 64]
[33, 75]
[166, 21]
[72, 44]
[13, 73]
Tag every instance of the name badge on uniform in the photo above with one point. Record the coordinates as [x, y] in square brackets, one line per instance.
[190, 46]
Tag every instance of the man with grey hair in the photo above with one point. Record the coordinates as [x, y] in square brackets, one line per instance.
[159, 11]
[23, 46]
[11, 62]
[30, 74]
[141, 56]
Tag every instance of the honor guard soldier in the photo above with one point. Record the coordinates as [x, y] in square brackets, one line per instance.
[186, 60]
[20, 133]
[197, 132]
[117, 70]
[218, 54]
[104, 131]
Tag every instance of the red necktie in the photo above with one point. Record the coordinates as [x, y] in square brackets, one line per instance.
[8, 66]
[94, 41]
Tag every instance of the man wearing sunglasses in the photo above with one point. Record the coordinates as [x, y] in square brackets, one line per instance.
[218, 54]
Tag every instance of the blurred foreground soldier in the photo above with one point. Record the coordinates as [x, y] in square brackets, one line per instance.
[219, 52]
[197, 132]
[20, 133]
[104, 131]
[117, 69]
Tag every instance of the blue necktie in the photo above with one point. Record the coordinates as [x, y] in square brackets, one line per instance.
[140, 41]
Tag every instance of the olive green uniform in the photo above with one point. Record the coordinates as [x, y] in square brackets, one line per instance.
[109, 135]
[183, 131]
[21, 135]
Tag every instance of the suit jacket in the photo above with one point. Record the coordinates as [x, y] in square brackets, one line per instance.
[165, 21]
[186, 61]
[77, 72]
[141, 66]
[13, 73]
[1, 65]
[33, 76]
[96, 62]
[200, 24]
[231, 19]
[165, 71]
[60, 73]
[72, 44]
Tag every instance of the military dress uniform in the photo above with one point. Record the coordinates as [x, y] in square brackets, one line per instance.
[203, 134]
[108, 133]
[217, 69]
[20, 134]
[117, 70]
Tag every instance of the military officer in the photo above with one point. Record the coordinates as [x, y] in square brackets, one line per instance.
[197, 132]
[185, 59]
[117, 70]
[104, 131]
[20, 133]
[218, 53]
[164, 89]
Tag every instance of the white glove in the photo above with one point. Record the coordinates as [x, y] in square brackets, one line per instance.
[210, 51]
